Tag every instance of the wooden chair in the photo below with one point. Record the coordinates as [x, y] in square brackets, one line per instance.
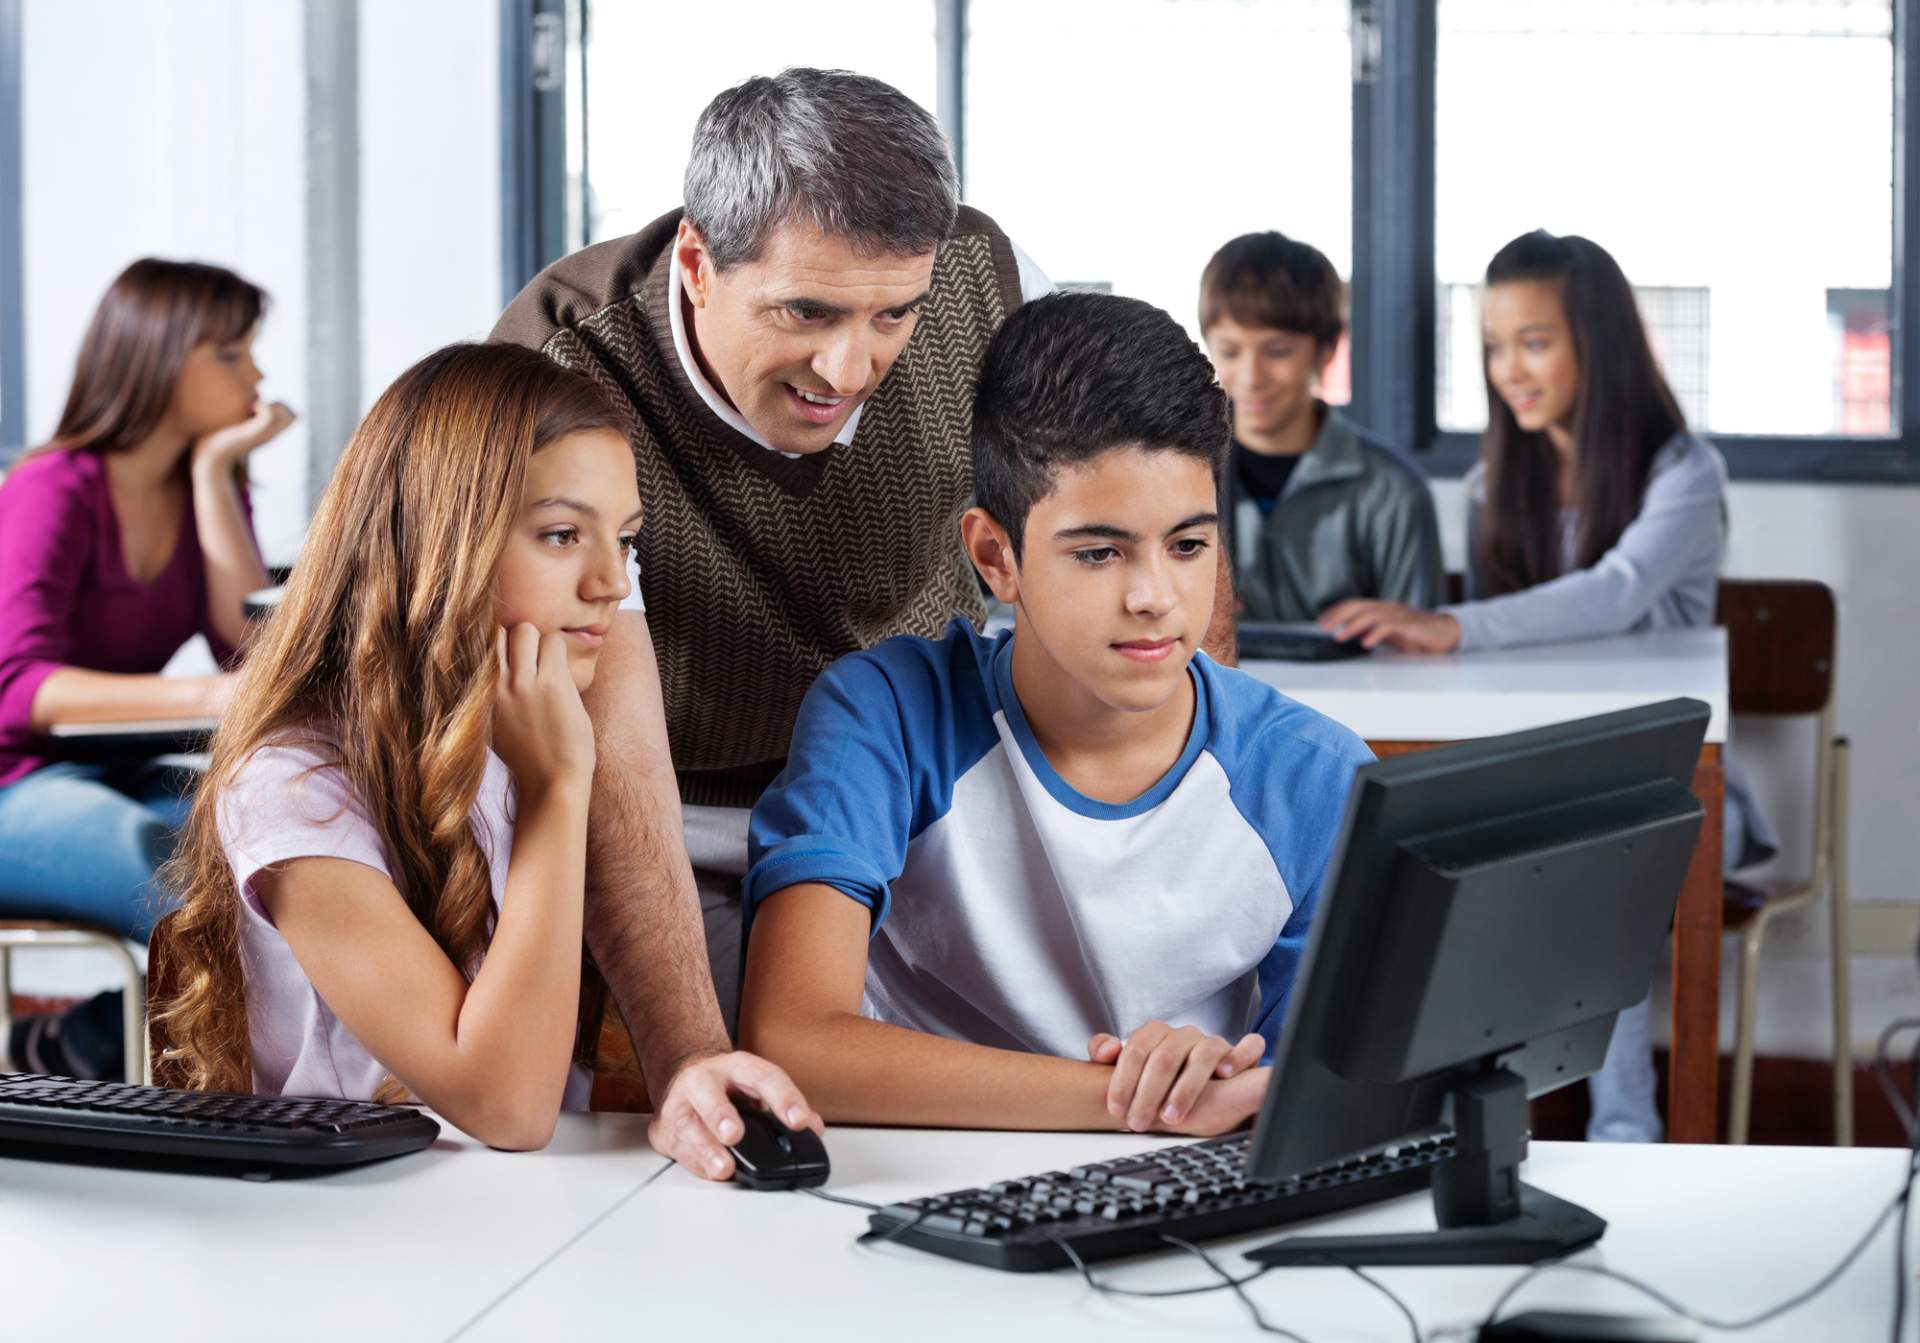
[1780, 647]
[16, 933]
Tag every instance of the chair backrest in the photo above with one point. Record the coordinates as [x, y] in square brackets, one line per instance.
[1780, 636]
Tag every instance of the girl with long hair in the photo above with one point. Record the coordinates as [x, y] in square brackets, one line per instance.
[120, 539]
[383, 873]
[1593, 512]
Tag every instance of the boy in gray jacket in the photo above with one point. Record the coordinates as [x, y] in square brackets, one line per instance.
[1316, 511]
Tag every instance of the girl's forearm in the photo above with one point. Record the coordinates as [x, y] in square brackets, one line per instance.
[77, 695]
[521, 1010]
[227, 550]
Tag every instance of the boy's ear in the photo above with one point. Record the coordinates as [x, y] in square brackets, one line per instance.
[991, 550]
[1323, 356]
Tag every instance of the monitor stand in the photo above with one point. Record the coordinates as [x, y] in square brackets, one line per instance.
[1486, 1215]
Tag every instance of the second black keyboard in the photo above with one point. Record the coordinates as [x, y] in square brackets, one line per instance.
[1125, 1205]
[50, 1113]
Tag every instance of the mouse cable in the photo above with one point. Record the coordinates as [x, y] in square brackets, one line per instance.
[870, 1237]
[837, 1198]
[1899, 1204]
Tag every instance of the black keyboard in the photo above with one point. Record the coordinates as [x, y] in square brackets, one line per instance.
[38, 1113]
[1125, 1206]
[1293, 641]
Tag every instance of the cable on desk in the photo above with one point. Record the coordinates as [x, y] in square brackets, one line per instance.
[837, 1198]
[1239, 1286]
[1898, 1204]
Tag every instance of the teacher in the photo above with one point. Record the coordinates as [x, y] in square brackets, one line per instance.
[798, 347]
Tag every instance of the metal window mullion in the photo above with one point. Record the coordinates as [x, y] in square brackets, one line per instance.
[950, 65]
[518, 248]
[333, 235]
[533, 144]
[1393, 297]
[1906, 224]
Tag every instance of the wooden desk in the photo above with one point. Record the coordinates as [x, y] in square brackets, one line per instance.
[1401, 703]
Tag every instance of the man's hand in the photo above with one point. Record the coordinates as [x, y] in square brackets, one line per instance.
[1159, 1072]
[697, 1121]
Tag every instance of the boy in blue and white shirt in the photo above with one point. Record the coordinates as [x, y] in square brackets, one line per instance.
[1061, 878]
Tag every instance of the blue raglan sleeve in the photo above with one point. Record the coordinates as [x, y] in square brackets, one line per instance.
[841, 812]
[1295, 796]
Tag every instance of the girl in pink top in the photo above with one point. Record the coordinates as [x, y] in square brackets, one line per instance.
[383, 875]
[121, 539]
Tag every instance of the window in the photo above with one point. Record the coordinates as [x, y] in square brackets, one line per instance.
[645, 87]
[1120, 144]
[1737, 157]
[1733, 155]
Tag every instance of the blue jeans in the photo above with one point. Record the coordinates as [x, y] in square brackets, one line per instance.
[1624, 1109]
[82, 842]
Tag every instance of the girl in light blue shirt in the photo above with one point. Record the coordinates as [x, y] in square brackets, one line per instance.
[1593, 512]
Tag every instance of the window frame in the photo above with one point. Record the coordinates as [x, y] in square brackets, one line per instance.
[1395, 60]
[1394, 355]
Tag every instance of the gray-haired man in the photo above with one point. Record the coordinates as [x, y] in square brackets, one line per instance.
[799, 347]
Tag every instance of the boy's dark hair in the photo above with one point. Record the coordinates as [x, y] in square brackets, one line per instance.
[1270, 280]
[1071, 376]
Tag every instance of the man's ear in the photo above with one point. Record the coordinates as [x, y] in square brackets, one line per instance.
[696, 263]
[991, 550]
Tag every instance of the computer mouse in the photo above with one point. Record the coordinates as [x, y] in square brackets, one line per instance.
[769, 1155]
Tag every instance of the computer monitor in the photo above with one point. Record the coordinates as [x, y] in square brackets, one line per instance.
[1491, 908]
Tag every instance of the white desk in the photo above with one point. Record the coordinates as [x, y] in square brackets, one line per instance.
[410, 1248]
[582, 1243]
[1401, 702]
[1725, 1229]
[1389, 696]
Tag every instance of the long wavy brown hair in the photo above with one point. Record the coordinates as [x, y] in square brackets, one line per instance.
[381, 657]
[150, 319]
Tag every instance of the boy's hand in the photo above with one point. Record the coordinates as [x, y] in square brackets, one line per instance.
[1159, 1071]
[1224, 1105]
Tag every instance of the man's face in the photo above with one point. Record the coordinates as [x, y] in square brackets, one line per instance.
[798, 338]
[1115, 586]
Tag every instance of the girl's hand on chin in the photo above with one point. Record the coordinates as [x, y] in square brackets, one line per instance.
[540, 728]
[229, 446]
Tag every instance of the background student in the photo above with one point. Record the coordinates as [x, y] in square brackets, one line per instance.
[974, 898]
[120, 539]
[1316, 510]
[1594, 512]
[383, 874]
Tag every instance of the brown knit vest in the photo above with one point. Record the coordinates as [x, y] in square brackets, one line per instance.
[759, 570]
